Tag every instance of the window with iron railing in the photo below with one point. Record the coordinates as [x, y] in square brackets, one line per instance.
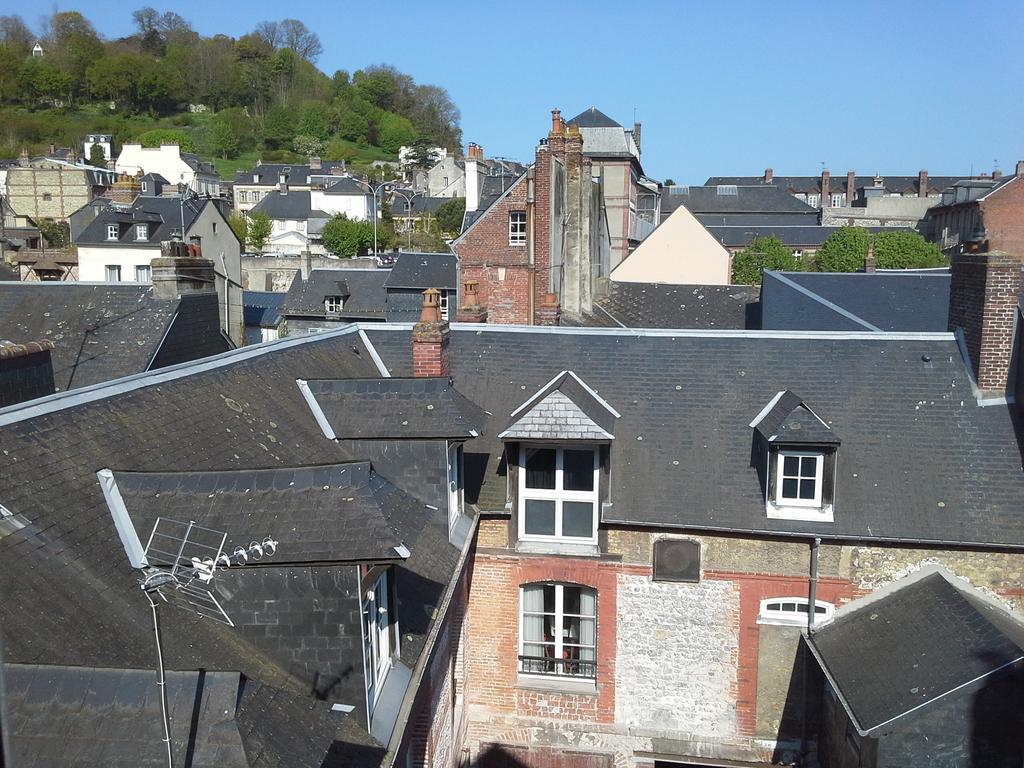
[559, 631]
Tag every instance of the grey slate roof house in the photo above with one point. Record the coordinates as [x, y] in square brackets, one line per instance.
[898, 300]
[102, 332]
[730, 203]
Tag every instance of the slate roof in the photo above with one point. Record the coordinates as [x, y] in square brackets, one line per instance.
[808, 236]
[748, 199]
[396, 408]
[335, 512]
[102, 331]
[291, 205]
[61, 715]
[662, 305]
[593, 118]
[345, 185]
[420, 271]
[760, 220]
[856, 301]
[241, 411]
[416, 206]
[563, 409]
[907, 649]
[262, 309]
[790, 420]
[366, 297]
[911, 430]
[891, 184]
[162, 214]
[298, 175]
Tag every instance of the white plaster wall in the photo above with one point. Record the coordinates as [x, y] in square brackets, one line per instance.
[92, 261]
[165, 160]
[356, 207]
[680, 252]
[676, 656]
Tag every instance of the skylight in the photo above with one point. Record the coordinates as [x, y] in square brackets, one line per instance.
[727, 189]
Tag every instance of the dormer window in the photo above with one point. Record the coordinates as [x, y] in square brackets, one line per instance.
[333, 304]
[142, 231]
[113, 231]
[795, 452]
[555, 443]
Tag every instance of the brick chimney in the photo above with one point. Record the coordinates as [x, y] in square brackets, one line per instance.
[548, 312]
[922, 183]
[851, 187]
[315, 163]
[430, 336]
[556, 139]
[636, 135]
[983, 303]
[181, 269]
[769, 176]
[824, 201]
[1020, 168]
[573, 147]
[125, 189]
[996, 173]
[869, 260]
[471, 311]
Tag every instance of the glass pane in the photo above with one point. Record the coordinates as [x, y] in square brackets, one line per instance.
[540, 517]
[587, 631]
[570, 629]
[578, 470]
[789, 489]
[790, 465]
[570, 600]
[809, 466]
[533, 598]
[819, 609]
[807, 488]
[537, 649]
[772, 607]
[578, 519]
[540, 468]
[588, 602]
[549, 599]
[533, 628]
[801, 607]
[586, 654]
[789, 607]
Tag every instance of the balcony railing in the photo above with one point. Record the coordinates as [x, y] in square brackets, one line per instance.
[545, 665]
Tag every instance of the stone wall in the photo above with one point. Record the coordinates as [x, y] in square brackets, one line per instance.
[275, 273]
[48, 193]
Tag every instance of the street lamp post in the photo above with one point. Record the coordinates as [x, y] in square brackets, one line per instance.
[408, 204]
[382, 185]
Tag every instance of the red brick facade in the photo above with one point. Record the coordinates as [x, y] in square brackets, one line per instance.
[1003, 217]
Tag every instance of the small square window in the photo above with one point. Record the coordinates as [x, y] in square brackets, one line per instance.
[113, 273]
[333, 304]
[799, 479]
[113, 231]
[47, 196]
[517, 228]
[142, 273]
[142, 231]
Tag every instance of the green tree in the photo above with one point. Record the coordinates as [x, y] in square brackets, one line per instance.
[422, 153]
[278, 128]
[158, 136]
[906, 250]
[347, 238]
[844, 250]
[763, 253]
[56, 233]
[310, 146]
[224, 140]
[240, 226]
[258, 231]
[114, 78]
[313, 122]
[449, 215]
[394, 132]
[74, 45]
[96, 156]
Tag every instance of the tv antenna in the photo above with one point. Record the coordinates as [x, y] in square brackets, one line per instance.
[178, 565]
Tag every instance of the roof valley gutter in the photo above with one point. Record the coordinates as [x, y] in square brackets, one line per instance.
[422, 663]
[825, 302]
[374, 355]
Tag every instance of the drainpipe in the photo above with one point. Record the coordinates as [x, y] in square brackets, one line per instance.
[812, 594]
[531, 246]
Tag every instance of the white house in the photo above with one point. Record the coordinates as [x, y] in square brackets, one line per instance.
[102, 140]
[121, 242]
[174, 165]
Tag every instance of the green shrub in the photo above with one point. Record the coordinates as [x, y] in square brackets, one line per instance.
[906, 250]
[844, 250]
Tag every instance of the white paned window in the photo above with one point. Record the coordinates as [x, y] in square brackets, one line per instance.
[838, 200]
[812, 200]
[142, 273]
[517, 228]
[113, 231]
[792, 611]
[558, 630]
[558, 494]
[333, 304]
[142, 231]
[113, 272]
[443, 304]
[377, 637]
[799, 479]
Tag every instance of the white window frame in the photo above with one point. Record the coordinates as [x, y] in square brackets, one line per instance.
[143, 273]
[378, 643]
[334, 304]
[783, 501]
[456, 483]
[517, 228]
[557, 494]
[797, 253]
[113, 231]
[112, 269]
[559, 621]
[812, 200]
[824, 612]
[443, 304]
[837, 200]
[311, 331]
[142, 232]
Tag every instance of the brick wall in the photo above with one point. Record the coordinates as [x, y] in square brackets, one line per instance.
[1003, 217]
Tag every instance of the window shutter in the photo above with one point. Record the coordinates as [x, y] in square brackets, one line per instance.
[677, 560]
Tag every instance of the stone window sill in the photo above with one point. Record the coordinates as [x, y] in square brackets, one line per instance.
[583, 686]
[557, 548]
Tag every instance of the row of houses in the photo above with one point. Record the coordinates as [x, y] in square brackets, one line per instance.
[563, 546]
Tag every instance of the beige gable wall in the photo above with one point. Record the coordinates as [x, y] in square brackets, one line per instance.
[681, 251]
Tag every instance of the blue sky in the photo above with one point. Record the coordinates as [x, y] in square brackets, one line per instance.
[720, 87]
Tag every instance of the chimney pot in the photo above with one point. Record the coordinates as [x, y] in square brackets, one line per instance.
[557, 124]
[471, 311]
[769, 176]
[181, 269]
